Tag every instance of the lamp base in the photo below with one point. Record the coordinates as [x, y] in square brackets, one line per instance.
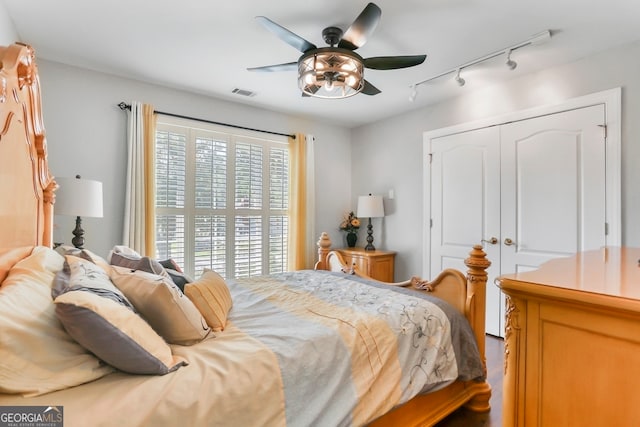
[369, 246]
[78, 232]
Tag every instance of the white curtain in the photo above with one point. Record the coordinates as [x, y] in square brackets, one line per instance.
[139, 215]
[311, 234]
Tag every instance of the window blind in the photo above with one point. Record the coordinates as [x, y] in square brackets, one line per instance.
[221, 200]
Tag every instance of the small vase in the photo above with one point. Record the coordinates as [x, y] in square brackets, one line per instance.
[352, 238]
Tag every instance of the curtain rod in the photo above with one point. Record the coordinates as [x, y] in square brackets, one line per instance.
[123, 106]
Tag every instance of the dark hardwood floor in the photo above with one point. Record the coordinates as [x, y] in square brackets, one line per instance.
[465, 418]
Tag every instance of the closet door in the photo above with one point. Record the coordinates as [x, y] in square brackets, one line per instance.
[553, 187]
[537, 186]
[465, 206]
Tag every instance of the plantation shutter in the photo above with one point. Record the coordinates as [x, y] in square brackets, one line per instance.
[222, 201]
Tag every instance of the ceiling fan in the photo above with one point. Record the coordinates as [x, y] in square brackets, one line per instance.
[336, 71]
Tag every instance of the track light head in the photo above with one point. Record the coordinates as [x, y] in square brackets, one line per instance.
[414, 93]
[459, 79]
[510, 62]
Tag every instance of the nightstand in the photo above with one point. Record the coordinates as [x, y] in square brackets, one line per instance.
[376, 264]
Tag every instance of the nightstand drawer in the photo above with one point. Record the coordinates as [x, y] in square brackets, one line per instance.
[376, 264]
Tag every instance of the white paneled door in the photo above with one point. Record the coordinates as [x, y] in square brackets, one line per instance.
[530, 190]
[465, 202]
[553, 187]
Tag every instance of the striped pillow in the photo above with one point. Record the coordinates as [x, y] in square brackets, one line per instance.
[211, 296]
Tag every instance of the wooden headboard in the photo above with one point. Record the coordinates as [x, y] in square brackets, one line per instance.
[27, 188]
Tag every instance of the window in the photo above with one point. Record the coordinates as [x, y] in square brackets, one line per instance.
[221, 199]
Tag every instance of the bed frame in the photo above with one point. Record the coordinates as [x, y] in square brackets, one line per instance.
[26, 219]
[467, 295]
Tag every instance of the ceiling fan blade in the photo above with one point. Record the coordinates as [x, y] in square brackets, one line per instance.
[393, 62]
[369, 89]
[364, 25]
[285, 35]
[289, 66]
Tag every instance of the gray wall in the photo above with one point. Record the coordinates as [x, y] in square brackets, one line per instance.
[8, 33]
[86, 135]
[388, 154]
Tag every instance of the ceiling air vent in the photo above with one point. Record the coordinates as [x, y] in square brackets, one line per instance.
[243, 92]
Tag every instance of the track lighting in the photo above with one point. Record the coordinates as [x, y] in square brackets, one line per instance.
[510, 62]
[459, 79]
[534, 40]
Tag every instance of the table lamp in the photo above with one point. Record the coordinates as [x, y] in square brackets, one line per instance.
[370, 207]
[78, 197]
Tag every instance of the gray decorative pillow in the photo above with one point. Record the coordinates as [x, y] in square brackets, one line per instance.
[101, 319]
[179, 278]
[138, 263]
[83, 253]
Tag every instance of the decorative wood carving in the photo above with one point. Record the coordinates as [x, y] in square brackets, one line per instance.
[22, 131]
[324, 245]
[511, 327]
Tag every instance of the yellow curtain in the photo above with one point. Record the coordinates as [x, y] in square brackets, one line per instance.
[297, 203]
[149, 124]
[139, 220]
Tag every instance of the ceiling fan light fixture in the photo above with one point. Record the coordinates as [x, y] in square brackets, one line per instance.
[328, 84]
[322, 71]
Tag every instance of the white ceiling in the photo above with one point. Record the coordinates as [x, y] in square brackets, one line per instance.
[205, 46]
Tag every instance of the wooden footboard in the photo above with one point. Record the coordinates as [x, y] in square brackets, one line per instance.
[467, 294]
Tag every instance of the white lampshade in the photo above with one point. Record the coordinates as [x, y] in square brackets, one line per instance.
[370, 206]
[78, 197]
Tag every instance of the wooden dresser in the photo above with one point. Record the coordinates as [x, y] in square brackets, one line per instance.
[376, 264]
[572, 342]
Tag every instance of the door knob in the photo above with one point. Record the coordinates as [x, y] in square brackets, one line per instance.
[492, 240]
[509, 242]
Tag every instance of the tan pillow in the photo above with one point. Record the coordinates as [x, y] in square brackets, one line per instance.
[9, 257]
[162, 304]
[212, 297]
[36, 354]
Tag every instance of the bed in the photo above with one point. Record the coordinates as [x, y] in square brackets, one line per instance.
[327, 346]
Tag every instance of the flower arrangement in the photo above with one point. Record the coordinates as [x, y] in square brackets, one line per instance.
[350, 223]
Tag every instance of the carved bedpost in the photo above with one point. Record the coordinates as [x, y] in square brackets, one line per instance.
[49, 198]
[324, 243]
[476, 297]
[476, 294]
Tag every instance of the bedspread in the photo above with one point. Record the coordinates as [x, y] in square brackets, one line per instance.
[300, 349]
[391, 343]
